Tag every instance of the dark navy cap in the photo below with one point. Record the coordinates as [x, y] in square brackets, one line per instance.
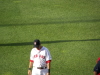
[37, 43]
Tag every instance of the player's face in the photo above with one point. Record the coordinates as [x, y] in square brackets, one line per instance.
[39, 47]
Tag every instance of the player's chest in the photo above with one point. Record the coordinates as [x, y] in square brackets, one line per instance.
[39, 54]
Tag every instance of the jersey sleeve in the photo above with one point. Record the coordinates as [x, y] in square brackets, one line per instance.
[31, 57]
[48, 56]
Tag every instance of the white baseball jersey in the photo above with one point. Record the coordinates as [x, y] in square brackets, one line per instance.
[40, 57]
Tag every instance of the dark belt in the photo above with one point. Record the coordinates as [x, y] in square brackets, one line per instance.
[41, 67]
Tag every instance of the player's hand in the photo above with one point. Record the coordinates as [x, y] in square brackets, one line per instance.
[29, 72]
[48, 74]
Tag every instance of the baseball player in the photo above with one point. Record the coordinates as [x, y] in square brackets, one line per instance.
[40, 60]
[97, 67]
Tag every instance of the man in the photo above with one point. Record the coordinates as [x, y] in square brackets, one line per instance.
[97, 67]
[40, 60]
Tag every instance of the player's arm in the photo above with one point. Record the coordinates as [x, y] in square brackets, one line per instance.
[48, 61]
[30, 64]
[48, 66]
[95, 73]
[30, 68]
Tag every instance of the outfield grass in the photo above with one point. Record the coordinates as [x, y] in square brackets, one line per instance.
[69, 29]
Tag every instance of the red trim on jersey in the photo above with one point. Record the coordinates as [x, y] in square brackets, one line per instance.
[48, 61]
[31, 61]
[98, 74]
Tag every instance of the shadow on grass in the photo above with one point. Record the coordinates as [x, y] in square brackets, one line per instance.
[46, 42]
[51, 22]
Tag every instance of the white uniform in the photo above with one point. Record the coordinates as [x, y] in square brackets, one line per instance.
[39, 59]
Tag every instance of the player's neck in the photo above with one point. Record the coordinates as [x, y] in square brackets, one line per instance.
[39, 48]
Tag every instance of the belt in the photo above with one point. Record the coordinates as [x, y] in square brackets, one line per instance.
[41, 67]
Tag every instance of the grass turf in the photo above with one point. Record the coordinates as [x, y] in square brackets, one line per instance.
[70, 29]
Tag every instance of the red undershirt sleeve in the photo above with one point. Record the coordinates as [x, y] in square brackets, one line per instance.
[31, 61]
[48, 61]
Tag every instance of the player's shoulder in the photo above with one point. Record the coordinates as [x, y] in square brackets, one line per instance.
[33, 49]
[44, 48]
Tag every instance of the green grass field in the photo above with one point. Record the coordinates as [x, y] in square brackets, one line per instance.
[70, 29]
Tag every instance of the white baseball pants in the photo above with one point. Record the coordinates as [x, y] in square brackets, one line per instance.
[36, 71]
